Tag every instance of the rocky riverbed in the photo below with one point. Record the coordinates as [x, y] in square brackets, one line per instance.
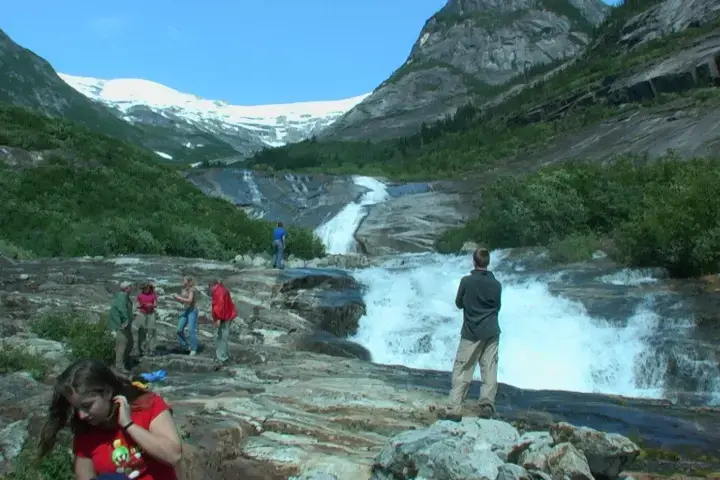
[298, 399]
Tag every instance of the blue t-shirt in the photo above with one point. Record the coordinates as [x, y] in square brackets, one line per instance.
[278, 233]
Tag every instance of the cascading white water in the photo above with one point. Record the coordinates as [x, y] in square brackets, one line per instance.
[338, 233]
[548, 342]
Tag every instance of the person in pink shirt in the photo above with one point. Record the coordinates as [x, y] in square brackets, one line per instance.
[147, 316]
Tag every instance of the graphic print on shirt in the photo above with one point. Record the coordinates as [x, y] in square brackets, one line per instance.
[128, 461]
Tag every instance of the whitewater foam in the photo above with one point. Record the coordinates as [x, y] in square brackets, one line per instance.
[548, 342]
[338, 233]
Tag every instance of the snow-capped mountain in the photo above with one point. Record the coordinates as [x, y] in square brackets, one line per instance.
[245, 128]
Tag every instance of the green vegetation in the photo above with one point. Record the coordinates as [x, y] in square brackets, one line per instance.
[85, 338]
[57, 465]
[95, 195]
[29, 81]
[14, 358]
[456, 146]
[477, 140]
[660, 213]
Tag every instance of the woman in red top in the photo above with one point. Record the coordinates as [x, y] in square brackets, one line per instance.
[117, 427]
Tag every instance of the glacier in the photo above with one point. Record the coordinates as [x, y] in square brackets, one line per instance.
[252, 127]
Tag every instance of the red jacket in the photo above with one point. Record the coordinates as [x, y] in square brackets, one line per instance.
[223, 308]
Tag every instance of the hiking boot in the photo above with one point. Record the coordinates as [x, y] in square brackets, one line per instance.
[452, 414]
[485, 410]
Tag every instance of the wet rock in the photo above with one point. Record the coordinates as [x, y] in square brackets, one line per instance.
[296, 199]
[328, 344]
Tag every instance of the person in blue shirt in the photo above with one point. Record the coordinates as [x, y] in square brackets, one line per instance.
[279, 236]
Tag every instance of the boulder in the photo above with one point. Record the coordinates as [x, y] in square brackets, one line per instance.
[479, 449]
[607, 453]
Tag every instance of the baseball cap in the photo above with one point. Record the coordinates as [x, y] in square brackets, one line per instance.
[124, 285]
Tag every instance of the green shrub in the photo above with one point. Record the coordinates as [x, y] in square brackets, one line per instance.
[576, 247]
[14, 358]
[662, 213]
[57, 465]
[9, 250]
[96, 195]
[86, 339]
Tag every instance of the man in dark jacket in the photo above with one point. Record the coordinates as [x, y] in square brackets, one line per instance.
[479, 297]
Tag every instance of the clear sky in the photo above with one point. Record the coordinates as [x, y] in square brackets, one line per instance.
[246, 52]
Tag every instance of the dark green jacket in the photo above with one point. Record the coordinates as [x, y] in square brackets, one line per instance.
[479, 297]
[120, 311]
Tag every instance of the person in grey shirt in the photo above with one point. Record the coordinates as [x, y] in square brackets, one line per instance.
[479, 297]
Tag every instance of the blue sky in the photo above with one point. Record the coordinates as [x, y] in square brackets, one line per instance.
[245, 52]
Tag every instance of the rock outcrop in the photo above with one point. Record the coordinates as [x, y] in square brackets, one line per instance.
[493, 450]
[297, 199]
[463, 52]
[696, 67]
[411, 223]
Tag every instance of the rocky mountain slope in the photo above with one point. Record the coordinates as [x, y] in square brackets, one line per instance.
[464, 52]
[176, 126]
[27, 80]
[245, 128]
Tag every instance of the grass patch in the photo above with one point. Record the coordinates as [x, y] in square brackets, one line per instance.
[657, 214]
[10, 250]
[576, 247]
[95, 195]
[57, 465]
[86, 339]
[14, 358]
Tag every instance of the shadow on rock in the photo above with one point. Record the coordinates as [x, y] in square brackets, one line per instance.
[328, 344]
[330, 299]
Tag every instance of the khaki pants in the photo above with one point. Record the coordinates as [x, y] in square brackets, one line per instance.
[221, 342]
[123, 347]
[484, 352]
[147, 332]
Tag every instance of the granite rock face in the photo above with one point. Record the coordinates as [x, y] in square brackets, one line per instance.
[463, 52]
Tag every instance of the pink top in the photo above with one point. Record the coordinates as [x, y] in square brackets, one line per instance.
[146, 301]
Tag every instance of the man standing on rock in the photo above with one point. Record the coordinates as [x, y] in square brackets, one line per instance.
[479, 297]
[279, 236]
[223, 313]
[120, 323]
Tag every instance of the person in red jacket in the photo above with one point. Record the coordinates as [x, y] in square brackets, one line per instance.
[223, 313]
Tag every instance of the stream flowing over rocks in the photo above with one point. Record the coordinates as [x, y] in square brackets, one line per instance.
[340, 365]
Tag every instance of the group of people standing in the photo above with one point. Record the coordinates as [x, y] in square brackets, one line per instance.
[123, 314]
[122, 431]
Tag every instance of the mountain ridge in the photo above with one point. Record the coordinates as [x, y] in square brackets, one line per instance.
[466, 52]
[246, 128]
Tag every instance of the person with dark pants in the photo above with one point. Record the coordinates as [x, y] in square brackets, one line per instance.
[120, 319]
[279, 236]
[479, 297]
